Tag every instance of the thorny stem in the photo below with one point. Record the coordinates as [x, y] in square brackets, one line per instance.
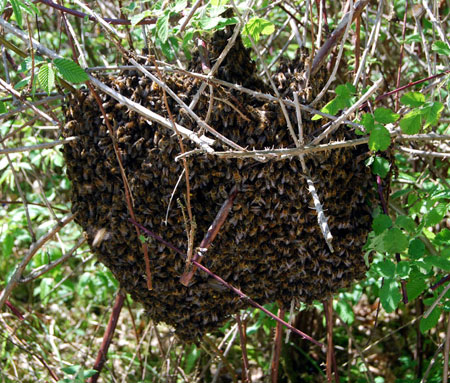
[243, 339]
[14, 310]
[107, 337]
[221, 356]
[234, 289]
[440, 282]
[213, 230]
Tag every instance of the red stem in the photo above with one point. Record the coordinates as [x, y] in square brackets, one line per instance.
[107, 337]
[277, 350]
[234, 289]
[243, 339]
[400, 60]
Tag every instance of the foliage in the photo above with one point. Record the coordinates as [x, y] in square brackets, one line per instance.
[66, 309]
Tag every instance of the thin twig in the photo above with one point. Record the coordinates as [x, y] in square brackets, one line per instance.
[446, 352]
[426, 153]
[15, 278]
[45, 145]
[243, 339]
[437, 301]
[45, 268]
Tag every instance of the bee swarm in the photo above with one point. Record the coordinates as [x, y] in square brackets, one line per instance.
[270, 246]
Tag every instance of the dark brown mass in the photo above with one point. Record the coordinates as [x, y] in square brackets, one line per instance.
[270, 247]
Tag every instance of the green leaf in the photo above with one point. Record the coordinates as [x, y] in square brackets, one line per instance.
[443, 237]
[381, 166]
[390, 295]
[386, 268]
[403, 269]
[344, 310]
[416, 285]
[413, 99]
[412, 122]
[405, 222]
[380, 138]
[438, 261]
[395, 241]
[441, 48]
[367, 121]
[256, 27]
[140, 16]
[413, 38]
[430, 321]
[162, 27]
[381, 223]
[71, 71]
[436, 215]
[89, 373]
[71, 370]
[432, 113]
[46, 77]
[15, 4]
[7, 245]
[416, 249]
[385, 116]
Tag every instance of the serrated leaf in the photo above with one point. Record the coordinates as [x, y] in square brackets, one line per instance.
[436, 215]
[430, 321]
[433, 113]
[416, 285]
[413, 99]
[162, 27]
[367, 121]
[46, 77]
[17, 12]
[443, 237]
[381, 223]
[400, 193]
[207, 23]
[386, 268]
[256, 27]
[344, 310]
[405, 222]
[390, 295]
[441, 48]
[395, 241]
[412, 122]
[438, 261]
[385, 115]
[71, 71]
[380, 138]
[381, 166]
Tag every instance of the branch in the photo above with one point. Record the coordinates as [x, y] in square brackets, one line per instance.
[45, 145]
[15, 278]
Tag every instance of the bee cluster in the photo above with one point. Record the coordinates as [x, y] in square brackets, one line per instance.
[270, 246]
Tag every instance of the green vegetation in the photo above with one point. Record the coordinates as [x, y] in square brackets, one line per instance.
[393, 326]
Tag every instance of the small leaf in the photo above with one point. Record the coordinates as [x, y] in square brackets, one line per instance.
[413, 99]
[256, 27]
[162, 27]
[367, 121]
[385, 116]
[416, 285]
[441, 48]
[381, 166]
[71, 370]
[433, 113]
[430, 321]
[46, 77]
[436, 215]
[416, 249]
[380, 138]
[344, 310]
[412, 122]
[71, 71]
[395, 241]
[386, 268]
[405, 222]
[390, 295]
[381, 223]
[443, 237]
[7, 245]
